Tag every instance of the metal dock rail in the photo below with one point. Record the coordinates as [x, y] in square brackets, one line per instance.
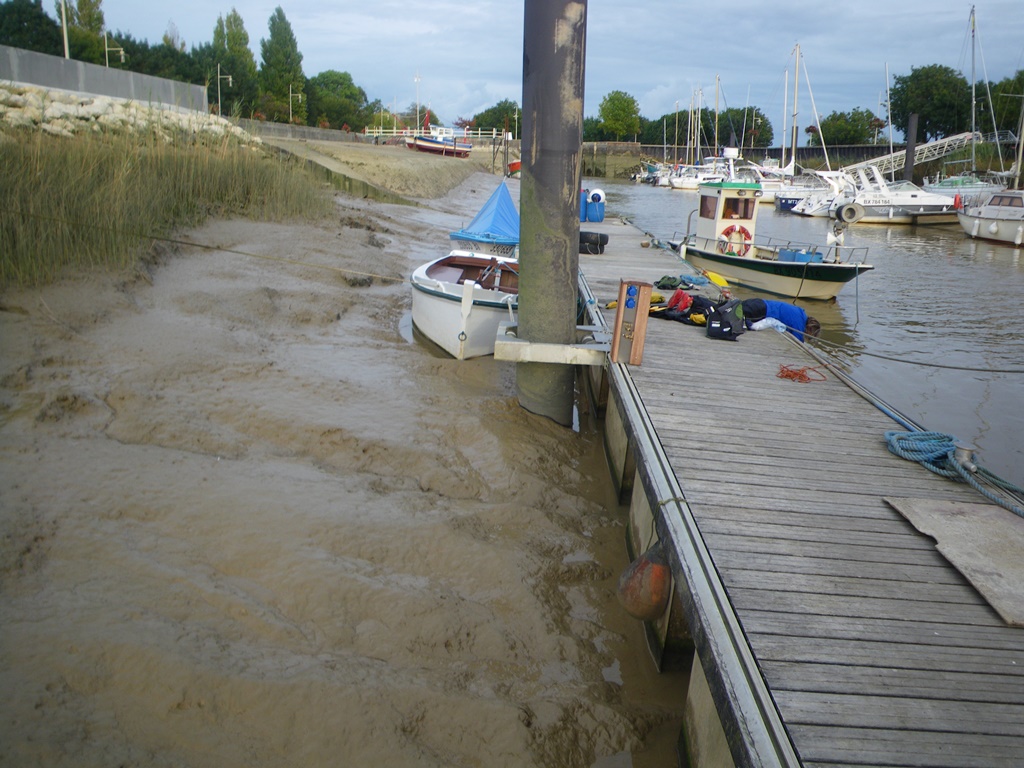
[827, 630]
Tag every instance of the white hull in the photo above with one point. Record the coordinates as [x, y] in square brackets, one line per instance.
[893, 214]
[461, 318]
[999, 230]
[490, 249]
[814, 205]
[1000, 218]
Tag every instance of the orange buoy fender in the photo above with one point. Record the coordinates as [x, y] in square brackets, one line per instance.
[645, 585]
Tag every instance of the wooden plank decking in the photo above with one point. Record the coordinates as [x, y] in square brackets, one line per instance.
[874, 649]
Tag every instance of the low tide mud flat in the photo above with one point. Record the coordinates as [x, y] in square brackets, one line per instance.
[248, 518]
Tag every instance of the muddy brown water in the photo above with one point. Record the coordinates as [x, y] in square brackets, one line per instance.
[247, 521]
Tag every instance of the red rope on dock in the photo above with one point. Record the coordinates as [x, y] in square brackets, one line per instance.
[802, 375]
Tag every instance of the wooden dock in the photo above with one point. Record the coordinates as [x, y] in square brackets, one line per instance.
[828, 631]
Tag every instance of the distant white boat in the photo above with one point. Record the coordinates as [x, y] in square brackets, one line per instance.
[877, 201]
[458, 301]
[1000, 218]
[863, 195]
[968, 186]
[819, 202]
[798, 188]
[692, 176]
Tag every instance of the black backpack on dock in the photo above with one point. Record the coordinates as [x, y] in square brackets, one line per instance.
[726, 321]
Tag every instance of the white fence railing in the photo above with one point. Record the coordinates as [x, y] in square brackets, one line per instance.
[469, 133]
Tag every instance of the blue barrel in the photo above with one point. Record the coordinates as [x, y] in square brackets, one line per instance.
[584, 194]
[595, 211]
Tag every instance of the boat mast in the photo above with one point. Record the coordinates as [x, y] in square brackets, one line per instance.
[1020, 149]
[717, 145]
[888, 113]
[974, 164]
[796, 91]
[785, 104]
[689, 132]
[817, 119]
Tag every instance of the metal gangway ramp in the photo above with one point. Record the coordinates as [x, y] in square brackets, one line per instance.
[923, 153]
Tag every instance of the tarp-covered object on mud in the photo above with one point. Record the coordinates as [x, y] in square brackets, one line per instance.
[497, 222]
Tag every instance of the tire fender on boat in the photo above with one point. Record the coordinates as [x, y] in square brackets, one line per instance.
[850, 213]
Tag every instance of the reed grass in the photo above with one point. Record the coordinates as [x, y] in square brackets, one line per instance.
[98, 199]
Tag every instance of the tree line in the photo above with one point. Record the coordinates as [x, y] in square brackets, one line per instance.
[277, 90]
[939, 95]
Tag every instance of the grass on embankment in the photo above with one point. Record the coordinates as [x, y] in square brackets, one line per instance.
[97, 200]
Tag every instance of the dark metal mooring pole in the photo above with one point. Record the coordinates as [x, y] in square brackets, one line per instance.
[908, 163]
[554, 47]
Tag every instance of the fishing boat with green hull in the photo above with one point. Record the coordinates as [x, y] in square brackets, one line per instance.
[724, 242]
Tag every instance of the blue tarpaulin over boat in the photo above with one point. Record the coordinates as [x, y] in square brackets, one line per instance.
[497, 222]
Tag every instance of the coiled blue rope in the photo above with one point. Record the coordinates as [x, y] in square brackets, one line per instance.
[936, 451]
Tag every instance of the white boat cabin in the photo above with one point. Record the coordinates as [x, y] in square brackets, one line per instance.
[727, 216]
[1009, 200]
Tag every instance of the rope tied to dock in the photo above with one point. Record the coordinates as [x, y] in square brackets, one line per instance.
[803, 375]
[941, 453]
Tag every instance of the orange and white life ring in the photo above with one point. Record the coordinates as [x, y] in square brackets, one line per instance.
[741, 247]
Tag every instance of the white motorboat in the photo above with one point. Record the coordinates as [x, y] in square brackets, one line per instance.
[724, 242]
[458, 301]
[770, 183]
[877, 201]
[692, 176]
[1000, 218]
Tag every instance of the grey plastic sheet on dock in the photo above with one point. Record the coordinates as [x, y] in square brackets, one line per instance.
[982, 541]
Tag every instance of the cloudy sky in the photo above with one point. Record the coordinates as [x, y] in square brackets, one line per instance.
[468, 54]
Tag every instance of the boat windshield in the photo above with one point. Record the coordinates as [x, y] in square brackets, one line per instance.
[1011, 201]
[733, 208]
[738, 208]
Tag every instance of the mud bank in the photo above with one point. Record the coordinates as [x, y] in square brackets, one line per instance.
[248, 519]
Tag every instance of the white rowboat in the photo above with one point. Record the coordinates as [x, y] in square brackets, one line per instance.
[459, 300]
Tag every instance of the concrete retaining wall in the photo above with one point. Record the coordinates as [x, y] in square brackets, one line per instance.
[264, 129]
[39, 69]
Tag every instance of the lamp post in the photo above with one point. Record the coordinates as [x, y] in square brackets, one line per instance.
[417, 79]
[230, 83]
[107, 49]
[64, 25]
[290, 96]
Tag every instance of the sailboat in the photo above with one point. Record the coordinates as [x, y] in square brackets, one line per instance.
[968, 186]
[825, 184]
[1000, 217]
